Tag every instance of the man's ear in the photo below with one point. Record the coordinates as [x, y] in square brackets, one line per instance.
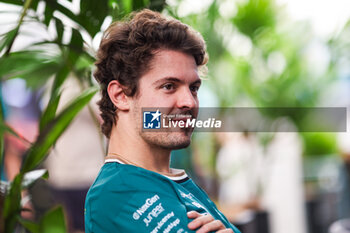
[117, 95]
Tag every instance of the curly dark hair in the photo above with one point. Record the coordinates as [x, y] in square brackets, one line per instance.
[127, 48]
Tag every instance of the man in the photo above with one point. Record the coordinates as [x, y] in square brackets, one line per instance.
[148, 61]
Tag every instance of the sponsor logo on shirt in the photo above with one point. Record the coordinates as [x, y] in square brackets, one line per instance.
[197, 205]
[172, 225]
[153, 214]
[184, 195]
[161, 222]
[148, 203]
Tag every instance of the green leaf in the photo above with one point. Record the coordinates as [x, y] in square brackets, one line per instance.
[61, 76]
[53, 221]
[39, 76]
[137, 4]
[83, 68]
[29, 225]
[84, 62]
[34, 4]
[46, 175]
[50, 111]
[75, 47]
[48, 15]
[34, 66]
[92, 15]
[59, 29]
[8, 39]
[14, 2]
[12, 205]
[54, 129]
[16, 62]
[55, 6]
[51, 108]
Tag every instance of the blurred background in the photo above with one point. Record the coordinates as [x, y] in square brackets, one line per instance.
[263, 53]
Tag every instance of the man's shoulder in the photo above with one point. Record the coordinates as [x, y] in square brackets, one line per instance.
[117, 177]
[125, 187]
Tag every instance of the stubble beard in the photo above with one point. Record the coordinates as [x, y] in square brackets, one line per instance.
[168, 140]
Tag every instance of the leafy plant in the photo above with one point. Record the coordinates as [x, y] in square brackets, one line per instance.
[37, 63]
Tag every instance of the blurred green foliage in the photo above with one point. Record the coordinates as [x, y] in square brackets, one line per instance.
[259, 57]
[316, 144]
[254, 17]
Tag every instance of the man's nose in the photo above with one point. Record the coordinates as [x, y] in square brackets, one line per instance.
[186, 99]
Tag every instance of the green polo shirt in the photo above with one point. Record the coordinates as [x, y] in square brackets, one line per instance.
[125, 198]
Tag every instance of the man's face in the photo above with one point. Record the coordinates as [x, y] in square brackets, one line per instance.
[172, 83]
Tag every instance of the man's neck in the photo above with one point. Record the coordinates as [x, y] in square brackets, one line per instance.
[133, 149]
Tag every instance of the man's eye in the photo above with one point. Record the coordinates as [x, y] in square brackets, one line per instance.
[168, 86]
[194, 88]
